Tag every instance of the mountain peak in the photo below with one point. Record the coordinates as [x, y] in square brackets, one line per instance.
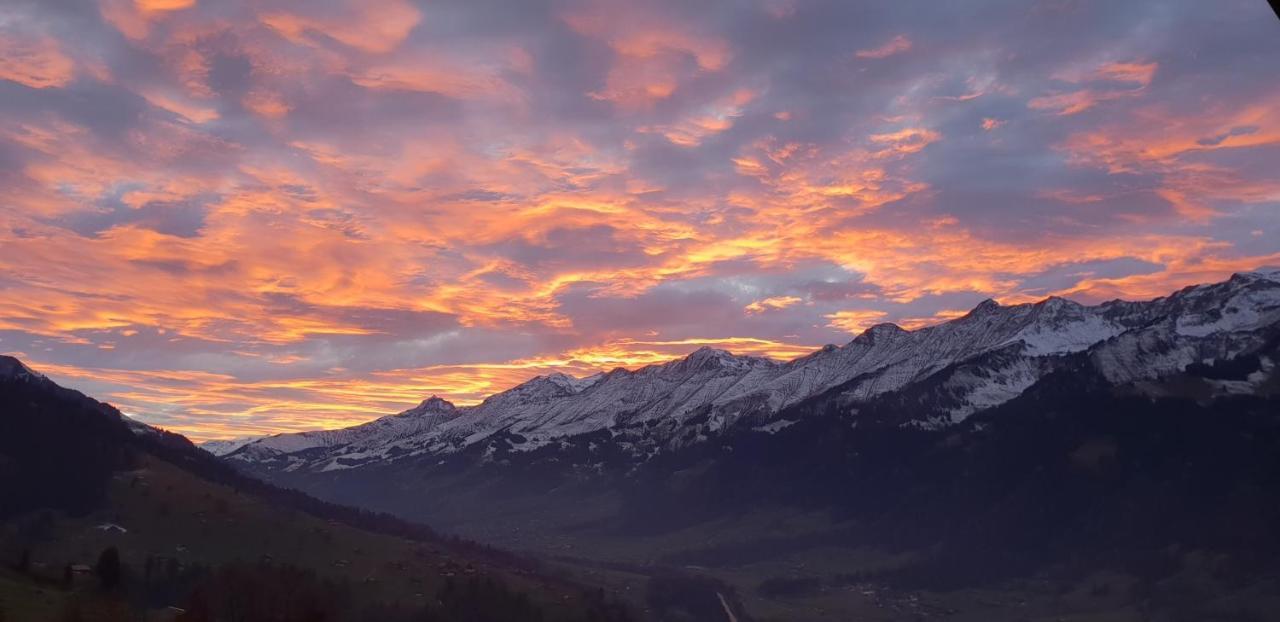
[574, 384]
[885, 328]
[708, 357]
[984, 308]
[553, 384]
[1057, 304]
[11, 367]
[708, 351]
[880, 332]
[434, 404]
[1057, 301]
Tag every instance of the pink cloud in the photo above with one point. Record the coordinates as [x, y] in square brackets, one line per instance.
[373, 27]
[896, 45]
[34, 61]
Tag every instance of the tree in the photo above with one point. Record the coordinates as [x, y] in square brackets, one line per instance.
[108, 568]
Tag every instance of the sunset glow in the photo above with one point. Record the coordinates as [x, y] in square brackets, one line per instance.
[233, 218]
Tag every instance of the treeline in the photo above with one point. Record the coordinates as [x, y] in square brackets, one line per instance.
[267, 591]
[58, 448]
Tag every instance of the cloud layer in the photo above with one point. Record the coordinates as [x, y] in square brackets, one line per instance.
[244, 217]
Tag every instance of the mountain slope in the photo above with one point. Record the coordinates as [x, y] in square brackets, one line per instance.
[77, 477]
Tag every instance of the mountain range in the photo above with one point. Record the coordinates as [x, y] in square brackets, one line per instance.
[978, 361]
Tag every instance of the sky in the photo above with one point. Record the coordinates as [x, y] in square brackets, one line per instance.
[231, 218]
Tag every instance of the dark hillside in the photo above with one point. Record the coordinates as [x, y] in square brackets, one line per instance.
[190, 532]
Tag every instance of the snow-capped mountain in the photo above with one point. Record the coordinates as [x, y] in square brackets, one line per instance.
[975, 362]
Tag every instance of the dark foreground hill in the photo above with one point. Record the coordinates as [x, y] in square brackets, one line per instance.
[105, 519]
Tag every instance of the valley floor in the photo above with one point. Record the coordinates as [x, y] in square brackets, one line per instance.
[820, 582]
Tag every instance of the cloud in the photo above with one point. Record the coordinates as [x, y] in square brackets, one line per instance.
[374, 27]
[1113, 81]
[248, 217]
[34, 61]
[855, 321]
[164, 5]
[772, 302]
[653, 54]
[896, 45]
[181, 106]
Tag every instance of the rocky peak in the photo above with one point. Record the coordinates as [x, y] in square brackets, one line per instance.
[570, 383]
[1057, 303]
[434, 404]
[707, 358]
[985, 308]
[884, 330]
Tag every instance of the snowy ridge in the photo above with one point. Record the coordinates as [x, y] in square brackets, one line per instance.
[222, 447]
[987, 357]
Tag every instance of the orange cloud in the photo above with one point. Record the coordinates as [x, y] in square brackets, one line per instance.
[372, 27]
[134, 18]
[716, 118]
[1137, 75]
[1178, 273]
[266, 104]
[945, 315]
[163, 5]
[896, 45]
[904, 141]
[774, 302]
[37, 62]
[649, 51]
[1157, 141]
[855, 321]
